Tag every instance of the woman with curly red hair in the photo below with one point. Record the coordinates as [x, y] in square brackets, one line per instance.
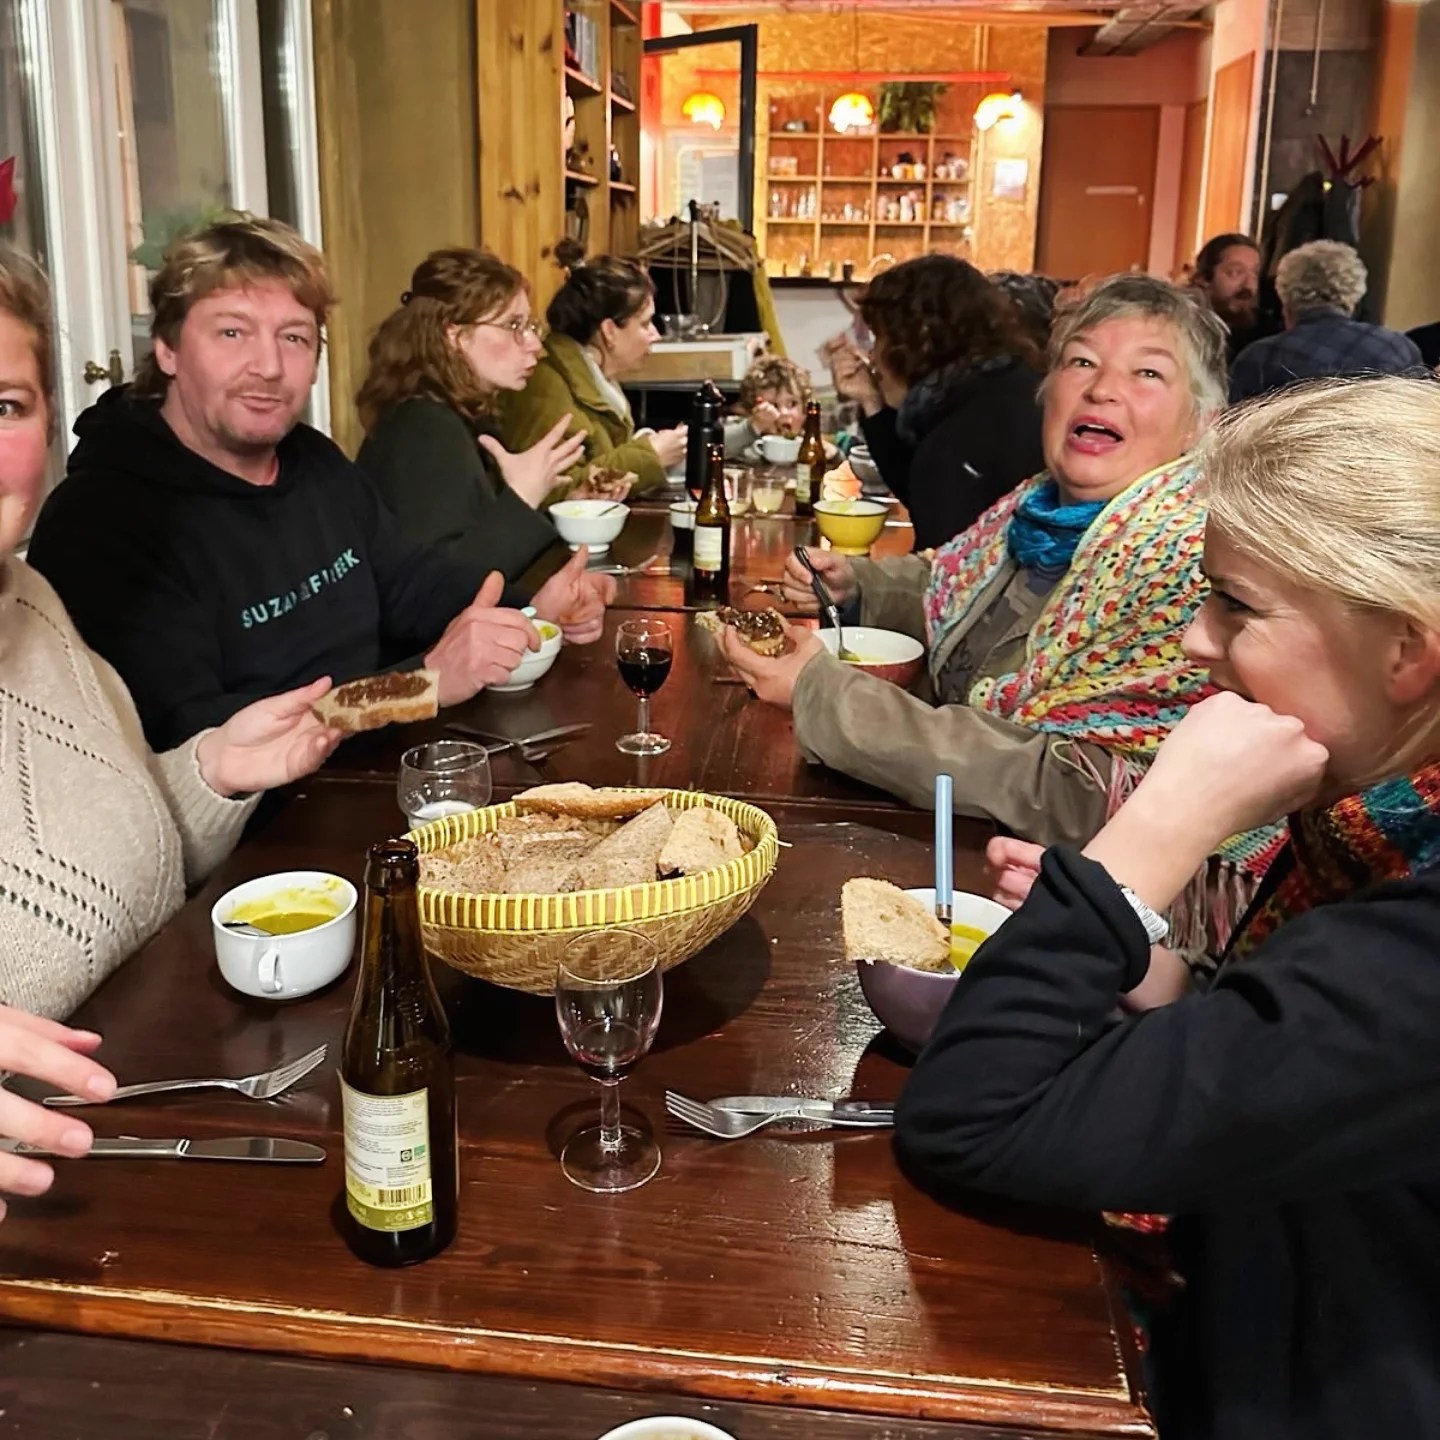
[948, 394]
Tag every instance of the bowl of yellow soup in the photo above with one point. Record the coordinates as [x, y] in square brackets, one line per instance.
[908, 1001]
[851, 526]
[535, 662]
[307, 924]
[589, 522]
[886, 654]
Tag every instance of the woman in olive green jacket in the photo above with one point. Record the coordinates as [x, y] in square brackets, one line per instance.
[601, 325]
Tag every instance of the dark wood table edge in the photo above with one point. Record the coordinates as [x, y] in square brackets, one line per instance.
[201, 1320]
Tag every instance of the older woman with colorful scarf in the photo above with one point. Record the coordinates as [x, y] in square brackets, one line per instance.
[1285, 1118]
[1053, 624]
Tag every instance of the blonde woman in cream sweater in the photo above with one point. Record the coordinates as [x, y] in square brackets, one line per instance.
[98, 835]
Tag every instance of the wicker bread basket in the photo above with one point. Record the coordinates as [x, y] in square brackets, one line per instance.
[519, 940]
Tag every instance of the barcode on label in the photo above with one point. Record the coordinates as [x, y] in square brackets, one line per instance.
[405, 1195]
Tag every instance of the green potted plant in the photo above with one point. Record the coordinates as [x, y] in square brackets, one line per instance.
[909, 105]
[160, 229]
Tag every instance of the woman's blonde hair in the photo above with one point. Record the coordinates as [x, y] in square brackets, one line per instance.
[25, 296]
[232, 253]
[1201, 332]
[411, 352]
[1334, 486]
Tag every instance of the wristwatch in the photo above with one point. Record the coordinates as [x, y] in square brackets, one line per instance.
[1156, 926]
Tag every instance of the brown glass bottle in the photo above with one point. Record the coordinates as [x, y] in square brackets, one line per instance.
[710, 561]
[397, 1080]
[810, 462]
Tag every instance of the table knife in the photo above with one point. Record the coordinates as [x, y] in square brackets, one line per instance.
[521, 741]
[250, 1147]
[838, 1112]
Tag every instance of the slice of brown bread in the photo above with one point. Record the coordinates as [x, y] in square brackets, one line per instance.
[628, 857]
[701, 839]
[469, 867]
[394, 698]
[584, 803]
[881, 922]
[523, 838]
[542, 877]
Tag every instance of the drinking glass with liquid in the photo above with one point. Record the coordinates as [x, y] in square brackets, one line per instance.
[445, 777]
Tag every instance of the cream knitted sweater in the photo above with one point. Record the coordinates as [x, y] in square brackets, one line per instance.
[97, 833]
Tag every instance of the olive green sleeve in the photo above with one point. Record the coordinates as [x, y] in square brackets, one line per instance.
[1046, 788]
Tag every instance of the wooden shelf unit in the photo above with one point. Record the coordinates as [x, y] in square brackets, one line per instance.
[529, 190]
[860, 159]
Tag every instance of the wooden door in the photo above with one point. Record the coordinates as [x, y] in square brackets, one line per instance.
[1098, 183]
[1192, 175]
[1225, 203]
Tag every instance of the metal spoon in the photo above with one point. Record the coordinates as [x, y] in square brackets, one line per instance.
[827, 603]
[243, 927]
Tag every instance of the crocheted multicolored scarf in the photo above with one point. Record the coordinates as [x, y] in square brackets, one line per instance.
[1384, 833]
[1103, 662]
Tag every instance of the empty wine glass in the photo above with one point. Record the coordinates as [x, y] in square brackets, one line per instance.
[445, 777]
[644, 650]
[608, 998]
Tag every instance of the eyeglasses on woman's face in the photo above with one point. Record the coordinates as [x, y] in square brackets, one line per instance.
[519, 327]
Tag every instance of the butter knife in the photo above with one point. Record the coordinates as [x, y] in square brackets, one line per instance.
[496, 742]
[837, 1112]
[250, 1147]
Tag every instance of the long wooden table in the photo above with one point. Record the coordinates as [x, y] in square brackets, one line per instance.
[782, 1285]
[722, 738]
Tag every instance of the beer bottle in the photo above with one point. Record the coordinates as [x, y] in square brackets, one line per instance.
[397, 1080]
[711, 559]
[810, 462]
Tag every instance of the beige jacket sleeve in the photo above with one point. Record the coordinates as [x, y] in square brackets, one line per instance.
[1045, 788]
[892, 593]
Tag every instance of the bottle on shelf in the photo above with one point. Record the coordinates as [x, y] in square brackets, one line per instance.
[397, 1080]
[711, 558]
[810, 462]
[706, 424]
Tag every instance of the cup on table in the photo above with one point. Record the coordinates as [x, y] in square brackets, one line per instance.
[737, 483]
[444, 777]
[767, 492]
[310, 919]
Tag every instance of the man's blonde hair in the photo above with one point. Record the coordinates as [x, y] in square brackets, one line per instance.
[1323, 275]
[243, 250]
[1333, 486]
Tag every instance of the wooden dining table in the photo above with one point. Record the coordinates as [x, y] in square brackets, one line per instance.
[785, 1285]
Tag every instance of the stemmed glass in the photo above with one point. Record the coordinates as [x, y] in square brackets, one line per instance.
[608, 998]
[445, 777]
[644, 649]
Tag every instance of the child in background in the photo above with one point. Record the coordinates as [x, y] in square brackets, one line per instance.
[773, 396]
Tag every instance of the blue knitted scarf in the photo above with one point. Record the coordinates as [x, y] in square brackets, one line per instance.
[1043, 533]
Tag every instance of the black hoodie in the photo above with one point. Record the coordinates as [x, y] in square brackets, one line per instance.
[207, 592]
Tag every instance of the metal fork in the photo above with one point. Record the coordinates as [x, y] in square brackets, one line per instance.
[264, 1086]
[733, 1125]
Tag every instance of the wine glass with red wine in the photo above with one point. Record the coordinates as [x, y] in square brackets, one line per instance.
[644, 649]
[608, 998]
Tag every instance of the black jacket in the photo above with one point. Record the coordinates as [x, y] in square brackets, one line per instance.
[973, 440]
[206, 592]
[446, 492]
[1288, 1118]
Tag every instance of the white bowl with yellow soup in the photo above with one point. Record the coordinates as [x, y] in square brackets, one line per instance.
[308, 920]
[535, 663]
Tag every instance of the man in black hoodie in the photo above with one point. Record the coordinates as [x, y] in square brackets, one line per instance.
[215, 550]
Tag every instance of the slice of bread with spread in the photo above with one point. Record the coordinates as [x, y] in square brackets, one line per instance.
[395, 698]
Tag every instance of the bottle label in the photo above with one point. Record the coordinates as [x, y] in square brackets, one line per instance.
[710, 548]
[387, 1159]
[803, 483]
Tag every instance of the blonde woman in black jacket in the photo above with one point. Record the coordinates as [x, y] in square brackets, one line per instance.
[1285, 1119]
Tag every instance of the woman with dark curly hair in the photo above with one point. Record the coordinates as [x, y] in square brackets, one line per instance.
[948, 396]
[461, 336]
